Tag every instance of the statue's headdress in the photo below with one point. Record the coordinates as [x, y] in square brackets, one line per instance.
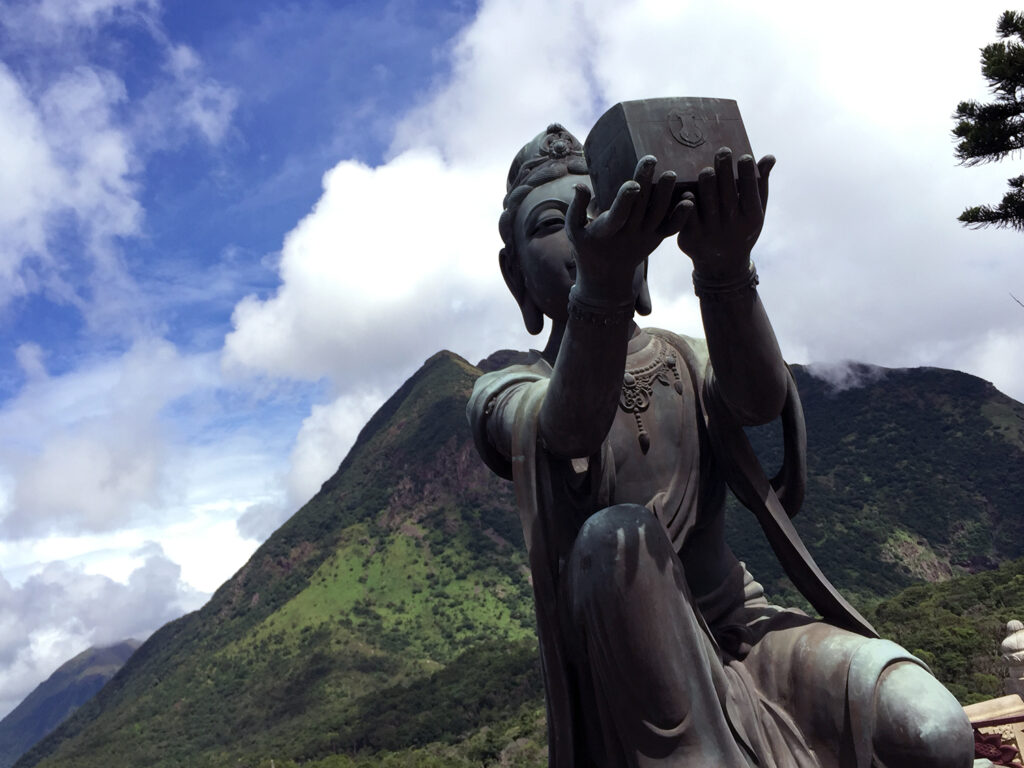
[551, 155]
[555, 145]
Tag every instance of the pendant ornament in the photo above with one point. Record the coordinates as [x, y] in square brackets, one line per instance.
[638, 385]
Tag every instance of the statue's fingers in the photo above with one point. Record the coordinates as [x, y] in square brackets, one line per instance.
[660, 201]
[644, 176]
[616, 217]
[644, 173]
[576, 216]
[727, 203]
[690, 227]
[764, 167]
[676, 220]
[707, 197]
[747, 187]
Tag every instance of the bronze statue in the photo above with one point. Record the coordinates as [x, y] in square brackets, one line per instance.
[658, 647]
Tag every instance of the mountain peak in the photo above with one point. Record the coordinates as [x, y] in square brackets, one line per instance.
[69, 687]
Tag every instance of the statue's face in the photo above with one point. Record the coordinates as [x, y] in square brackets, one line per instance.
[545, 253]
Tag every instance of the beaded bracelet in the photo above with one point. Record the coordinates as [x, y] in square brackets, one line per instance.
[725, 290]
[599, 313]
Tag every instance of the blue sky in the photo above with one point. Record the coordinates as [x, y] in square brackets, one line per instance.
[229, 230]
[297, 89]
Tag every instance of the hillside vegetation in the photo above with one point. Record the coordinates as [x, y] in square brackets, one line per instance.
[390, 620]
[915, 475]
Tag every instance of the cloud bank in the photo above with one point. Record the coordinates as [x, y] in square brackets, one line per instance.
[62, 610]
[861, 257]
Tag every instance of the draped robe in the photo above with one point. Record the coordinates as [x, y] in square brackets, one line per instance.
[722, 677]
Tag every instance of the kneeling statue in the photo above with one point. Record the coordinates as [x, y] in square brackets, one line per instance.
[658, 647]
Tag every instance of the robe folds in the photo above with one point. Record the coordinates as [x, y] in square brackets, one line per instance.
[657, 645]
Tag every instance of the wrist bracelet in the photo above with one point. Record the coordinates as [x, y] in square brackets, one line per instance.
[725, 290]
[597, 312]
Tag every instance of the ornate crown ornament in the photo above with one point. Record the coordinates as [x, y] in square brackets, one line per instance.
[555, 144]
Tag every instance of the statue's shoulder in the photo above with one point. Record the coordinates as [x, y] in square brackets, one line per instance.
[693, 350]
[493, 408]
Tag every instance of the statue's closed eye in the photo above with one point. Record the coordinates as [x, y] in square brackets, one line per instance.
[548, 222]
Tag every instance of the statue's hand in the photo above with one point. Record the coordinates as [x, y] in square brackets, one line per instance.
[729, 215]
[609, 248]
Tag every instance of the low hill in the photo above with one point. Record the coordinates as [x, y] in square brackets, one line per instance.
[390, 620]
[74, 683]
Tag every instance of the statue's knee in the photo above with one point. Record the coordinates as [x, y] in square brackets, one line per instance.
[919, 722]
[606, 532]
[610, 547]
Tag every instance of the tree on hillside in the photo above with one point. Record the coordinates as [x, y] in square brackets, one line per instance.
[991, 131]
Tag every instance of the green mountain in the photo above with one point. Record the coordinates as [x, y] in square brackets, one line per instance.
[74, 683]
[914, 475]
[392, 610]
[956, 626]
[390, 620]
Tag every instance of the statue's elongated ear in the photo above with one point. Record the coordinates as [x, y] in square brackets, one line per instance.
[513, 274]
[643, 295]
[643, 300]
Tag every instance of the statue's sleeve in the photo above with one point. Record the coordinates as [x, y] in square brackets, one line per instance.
[729, 439]
[495, 415]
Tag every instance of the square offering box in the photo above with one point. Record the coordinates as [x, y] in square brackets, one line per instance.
[683, 133]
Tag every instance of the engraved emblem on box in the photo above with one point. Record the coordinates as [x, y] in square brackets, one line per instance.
[685, 128]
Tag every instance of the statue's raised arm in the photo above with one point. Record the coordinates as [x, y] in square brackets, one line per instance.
[608, 253]
[748, 371]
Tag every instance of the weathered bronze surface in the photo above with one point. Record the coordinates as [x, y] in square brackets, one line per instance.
[659, 648]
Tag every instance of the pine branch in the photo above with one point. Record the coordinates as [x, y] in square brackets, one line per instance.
[1010, 24]
[988, 132]
[1008, 214]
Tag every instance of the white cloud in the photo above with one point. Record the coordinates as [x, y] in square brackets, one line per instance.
[325, 437]
[64, 25]
[64, 152]
[399, 261]
[30, 359]
[30, 186]
[94, 468]
[516, 68]
[380, 275]
[95, 154]
[261, 519]
[87, 449]
[847, 374]
[62, 610]
[85, 13]
[84, 482]
[75, 148]
[999, 358]
[186, 103]
[861, 257]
